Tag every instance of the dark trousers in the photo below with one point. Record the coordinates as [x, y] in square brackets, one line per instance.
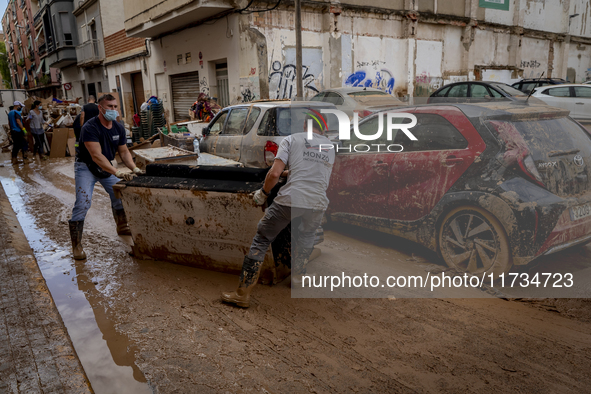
[276, 218]
[39, 143]
[19, 143]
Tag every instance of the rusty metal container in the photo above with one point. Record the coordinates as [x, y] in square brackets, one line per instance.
[200, 216]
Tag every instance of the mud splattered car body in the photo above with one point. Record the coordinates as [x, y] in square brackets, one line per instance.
[486, 185]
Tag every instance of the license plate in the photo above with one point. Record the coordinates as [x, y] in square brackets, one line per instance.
[580, 212]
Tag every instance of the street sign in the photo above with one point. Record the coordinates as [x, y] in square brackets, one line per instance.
[68, 86]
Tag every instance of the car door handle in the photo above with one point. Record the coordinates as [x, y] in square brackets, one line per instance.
[450, 161]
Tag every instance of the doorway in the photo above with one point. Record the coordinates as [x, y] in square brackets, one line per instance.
[137, 88]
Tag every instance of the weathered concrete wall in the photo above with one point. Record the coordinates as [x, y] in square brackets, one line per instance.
[534, 57]
[392, 52]
[579, 63]
[451, 7]
[580, 25]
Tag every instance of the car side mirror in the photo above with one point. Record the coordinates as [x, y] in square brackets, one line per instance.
[206, 131]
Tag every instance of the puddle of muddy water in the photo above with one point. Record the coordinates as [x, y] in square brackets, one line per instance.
[107, 357]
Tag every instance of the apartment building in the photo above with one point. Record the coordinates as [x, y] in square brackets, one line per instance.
[22, 53]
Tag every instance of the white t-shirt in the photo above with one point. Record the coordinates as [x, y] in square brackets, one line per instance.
[309, 171]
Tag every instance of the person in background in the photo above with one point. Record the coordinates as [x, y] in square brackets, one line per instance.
[17, 132]
[89, 111]
[101, 137]
[36, 126]
[77, 128]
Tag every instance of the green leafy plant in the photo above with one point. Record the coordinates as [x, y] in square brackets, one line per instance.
[44, 79]
[4, 68]
[21, 63]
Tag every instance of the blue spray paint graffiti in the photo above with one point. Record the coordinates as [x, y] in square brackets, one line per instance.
[383, 80]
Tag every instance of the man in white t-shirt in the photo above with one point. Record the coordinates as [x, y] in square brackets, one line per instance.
[310, 162]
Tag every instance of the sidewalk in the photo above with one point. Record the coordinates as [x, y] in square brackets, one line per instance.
[36, 354]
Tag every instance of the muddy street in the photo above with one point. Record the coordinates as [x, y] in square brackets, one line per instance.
[152, 326]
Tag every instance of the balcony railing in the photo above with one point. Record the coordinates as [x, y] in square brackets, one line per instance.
[42, 49]
[89, 53]
[37, 17]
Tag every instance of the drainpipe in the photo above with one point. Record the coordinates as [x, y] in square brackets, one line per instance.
[298, 32]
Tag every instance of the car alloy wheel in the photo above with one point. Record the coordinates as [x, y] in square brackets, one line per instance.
[472, 240]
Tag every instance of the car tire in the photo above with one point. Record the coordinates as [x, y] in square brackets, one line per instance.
[472, 240]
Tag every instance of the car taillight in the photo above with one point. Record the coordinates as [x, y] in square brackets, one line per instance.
[271, 149]
[517, 151]
[363, 114]
[529, 167]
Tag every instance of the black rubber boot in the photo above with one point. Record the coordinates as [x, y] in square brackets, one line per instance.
[249, 277]
[121, 220]
[76, 236]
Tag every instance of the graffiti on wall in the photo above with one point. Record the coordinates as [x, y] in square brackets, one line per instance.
[247, 94]
[530, 64]
[282, 75]
[283, 84]
[204, 86]
[531, 68]
[425, 84]
[249, 89]
[383, 79]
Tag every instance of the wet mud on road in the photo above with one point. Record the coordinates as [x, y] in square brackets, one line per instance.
[165, 323]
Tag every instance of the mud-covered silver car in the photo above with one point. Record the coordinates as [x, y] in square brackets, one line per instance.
[251, 133]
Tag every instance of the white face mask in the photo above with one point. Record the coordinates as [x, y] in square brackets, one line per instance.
[40, 107]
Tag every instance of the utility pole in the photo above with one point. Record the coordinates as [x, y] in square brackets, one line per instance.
[298, 32]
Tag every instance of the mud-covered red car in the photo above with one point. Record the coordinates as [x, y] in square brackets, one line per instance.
[488, 186]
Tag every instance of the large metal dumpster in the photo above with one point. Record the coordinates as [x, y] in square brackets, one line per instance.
[200, 216]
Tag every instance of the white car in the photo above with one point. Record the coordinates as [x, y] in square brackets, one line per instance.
[574, 97]
[587, 83]
[364, 101]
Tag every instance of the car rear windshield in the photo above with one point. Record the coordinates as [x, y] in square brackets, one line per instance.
[507, 89]
[561, 151]
[551, 137]
[291, 120]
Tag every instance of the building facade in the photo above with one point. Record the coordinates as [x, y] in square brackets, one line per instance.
[25, 56]
[126, 60]
[88, 75]
[405, 47]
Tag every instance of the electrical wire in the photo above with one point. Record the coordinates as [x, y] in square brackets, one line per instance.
[245, 8]
[264, 10]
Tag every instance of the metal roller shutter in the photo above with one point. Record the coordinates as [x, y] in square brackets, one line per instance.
[185, 89]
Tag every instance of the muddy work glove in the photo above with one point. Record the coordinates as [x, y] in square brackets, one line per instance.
[137, 171]
[260, 197]
[126, 176]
